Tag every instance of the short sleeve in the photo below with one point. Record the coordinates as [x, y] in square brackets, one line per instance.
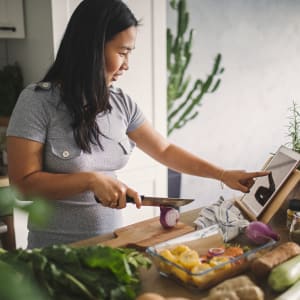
[29, 118]
[136, 116]
[132, 114]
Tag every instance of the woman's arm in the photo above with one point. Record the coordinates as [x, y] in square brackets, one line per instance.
[25, 172]
[174, 157]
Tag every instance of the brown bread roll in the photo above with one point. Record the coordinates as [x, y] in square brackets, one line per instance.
[250, 293]
[262, 266]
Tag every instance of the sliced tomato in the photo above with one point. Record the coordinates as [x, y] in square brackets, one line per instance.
[233, 251]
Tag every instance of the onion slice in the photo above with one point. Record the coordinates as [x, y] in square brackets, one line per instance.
[216, 251]
[260, 233]
[169, 216]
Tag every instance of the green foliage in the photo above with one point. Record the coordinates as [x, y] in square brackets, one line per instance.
[16, 280]
[96, 272]
[14, 285]
[182, 105]
[294, 127]
[11, 84]
[39, 209]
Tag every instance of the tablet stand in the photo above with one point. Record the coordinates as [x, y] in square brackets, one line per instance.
[278, 201]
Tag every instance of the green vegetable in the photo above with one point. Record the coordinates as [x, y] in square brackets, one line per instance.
[285, 274]
[96, 272]
[292, 293]
[15, 285]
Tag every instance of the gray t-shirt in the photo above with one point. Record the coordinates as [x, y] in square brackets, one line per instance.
[40, 116]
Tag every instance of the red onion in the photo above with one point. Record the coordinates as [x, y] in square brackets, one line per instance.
[216, 251]
[169, 216]
[260, 233]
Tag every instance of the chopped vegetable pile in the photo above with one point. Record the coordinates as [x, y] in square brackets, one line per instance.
[95, 272]
[187, 265]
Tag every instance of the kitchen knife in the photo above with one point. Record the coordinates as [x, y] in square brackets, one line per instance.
[160, 201]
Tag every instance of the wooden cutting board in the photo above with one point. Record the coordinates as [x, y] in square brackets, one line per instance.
[146, 233]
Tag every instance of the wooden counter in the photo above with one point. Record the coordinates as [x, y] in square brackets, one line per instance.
[152, 281]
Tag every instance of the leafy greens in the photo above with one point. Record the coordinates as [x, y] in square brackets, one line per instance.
[92, 273]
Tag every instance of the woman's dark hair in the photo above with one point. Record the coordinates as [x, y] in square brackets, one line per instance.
[79, 68]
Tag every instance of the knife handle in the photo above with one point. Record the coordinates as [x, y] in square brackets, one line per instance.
[131, 200]
[128, 199]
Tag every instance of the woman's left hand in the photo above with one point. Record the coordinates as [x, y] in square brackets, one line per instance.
[241, 180]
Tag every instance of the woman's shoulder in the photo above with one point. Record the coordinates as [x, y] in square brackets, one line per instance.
[116, 90]
[120, 99]
[42, 91]
[43, 87]
[119, 95]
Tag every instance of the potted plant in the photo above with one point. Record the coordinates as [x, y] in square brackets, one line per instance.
[293, 133]
[11, 84]
[184, 96]
[294, 127]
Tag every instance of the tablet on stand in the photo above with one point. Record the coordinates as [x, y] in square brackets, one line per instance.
[269, 192]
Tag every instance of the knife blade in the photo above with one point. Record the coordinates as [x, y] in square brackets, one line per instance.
[160, 201]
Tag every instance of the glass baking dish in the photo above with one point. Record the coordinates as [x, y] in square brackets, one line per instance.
[197, 261]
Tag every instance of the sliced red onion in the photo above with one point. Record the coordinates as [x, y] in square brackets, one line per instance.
[169, 216]
[260, 233]
[216, 251]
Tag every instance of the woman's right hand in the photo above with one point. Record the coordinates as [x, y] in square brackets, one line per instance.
[112, 192]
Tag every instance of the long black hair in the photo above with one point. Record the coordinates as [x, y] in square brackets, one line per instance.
[79, 67]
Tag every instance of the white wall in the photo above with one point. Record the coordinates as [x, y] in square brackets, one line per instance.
[246, 119]
[35, 53]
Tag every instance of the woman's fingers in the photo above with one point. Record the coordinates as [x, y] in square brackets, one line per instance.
[250, 178]
[247, 182]
[112, 193]
[258, 174]
[135, 196]
[242, 180]
[241, 187]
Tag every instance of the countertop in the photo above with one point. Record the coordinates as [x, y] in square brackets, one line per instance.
[152, 281]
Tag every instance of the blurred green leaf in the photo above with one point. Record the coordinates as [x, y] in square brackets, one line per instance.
[7, 200]
[15, 286]
[40, 210]
[95, 272]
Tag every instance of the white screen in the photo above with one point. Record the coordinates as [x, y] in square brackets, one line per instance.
[265, 188]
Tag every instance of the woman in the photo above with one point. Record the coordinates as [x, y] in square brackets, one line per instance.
[76, 129]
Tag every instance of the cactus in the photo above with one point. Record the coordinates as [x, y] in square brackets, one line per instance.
[182, 106]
